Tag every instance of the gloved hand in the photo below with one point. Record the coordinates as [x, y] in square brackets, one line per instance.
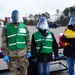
[6, 58]
[28, 54]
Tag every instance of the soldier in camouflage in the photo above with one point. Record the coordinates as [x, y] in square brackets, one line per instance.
[16, 45]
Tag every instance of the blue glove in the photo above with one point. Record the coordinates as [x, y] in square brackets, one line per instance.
[28, 54]
[6, 58]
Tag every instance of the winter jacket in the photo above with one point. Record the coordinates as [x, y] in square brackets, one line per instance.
[44, 57]
[46, 41]
[69, 38]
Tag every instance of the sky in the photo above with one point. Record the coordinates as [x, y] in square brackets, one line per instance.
[26, 7]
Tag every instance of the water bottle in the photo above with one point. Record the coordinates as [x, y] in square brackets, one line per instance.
[53, 56]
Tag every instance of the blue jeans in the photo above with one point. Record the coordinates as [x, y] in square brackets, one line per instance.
[70, 62]
[44, 68]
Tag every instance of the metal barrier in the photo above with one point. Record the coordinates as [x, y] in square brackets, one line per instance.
[59, 64]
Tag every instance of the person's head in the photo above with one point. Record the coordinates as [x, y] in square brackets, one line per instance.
[72, 22]
[42, 24]
[15, 16]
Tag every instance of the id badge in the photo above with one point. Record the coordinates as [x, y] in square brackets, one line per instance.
[22, 30]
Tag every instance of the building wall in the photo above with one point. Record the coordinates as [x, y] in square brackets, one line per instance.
[7, 20]
[2, 21]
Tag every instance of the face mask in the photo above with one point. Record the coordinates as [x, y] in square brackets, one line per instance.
[43, 27]
[15, 19]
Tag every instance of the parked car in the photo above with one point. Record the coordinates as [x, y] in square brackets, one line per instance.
[53, 25]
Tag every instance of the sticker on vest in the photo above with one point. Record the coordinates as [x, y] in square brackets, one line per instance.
[49, 36]
[22, 30]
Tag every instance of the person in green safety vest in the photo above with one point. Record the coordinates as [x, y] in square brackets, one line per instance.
[43, 44]
[16, 44]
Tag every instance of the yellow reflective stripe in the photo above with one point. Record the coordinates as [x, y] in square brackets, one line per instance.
[38, 40]
[16, 34]
[47, 47]
[22, 34]
[11, 35]
[21, 42]
[69, 34]
[44, 47]
[17, 43]
[12, 44]
[43, 39]
[49, 40]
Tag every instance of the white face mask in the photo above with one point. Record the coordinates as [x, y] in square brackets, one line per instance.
[42, 26]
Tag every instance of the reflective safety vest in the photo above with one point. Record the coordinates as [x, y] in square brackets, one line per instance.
[16, 37]
[47, 47]
[69, 34]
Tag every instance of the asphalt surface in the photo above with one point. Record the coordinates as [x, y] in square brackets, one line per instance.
[55, 69]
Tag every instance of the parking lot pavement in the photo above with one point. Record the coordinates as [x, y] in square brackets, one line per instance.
[52, 73]
[32, 30]
[56, 31]
[59, 73]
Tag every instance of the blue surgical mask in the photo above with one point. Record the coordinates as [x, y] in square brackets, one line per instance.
[15, 19]
[42, 26]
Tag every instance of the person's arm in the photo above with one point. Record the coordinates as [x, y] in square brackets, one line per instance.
[64, 39]
[4, 42]
[70, 41]
[55, 46]
[33, 47]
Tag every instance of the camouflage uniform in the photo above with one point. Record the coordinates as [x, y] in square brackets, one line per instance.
[17, 57]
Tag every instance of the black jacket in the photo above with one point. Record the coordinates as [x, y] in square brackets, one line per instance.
[69, 50]
[44, 57]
